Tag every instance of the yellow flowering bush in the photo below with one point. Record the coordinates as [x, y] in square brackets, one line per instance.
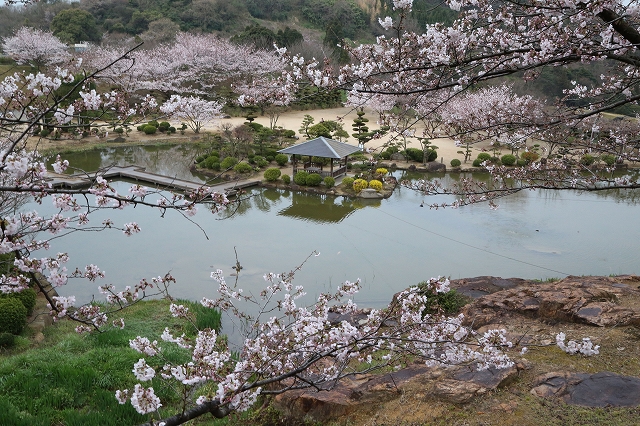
[375, 184]
[360, 184]
[382, 171]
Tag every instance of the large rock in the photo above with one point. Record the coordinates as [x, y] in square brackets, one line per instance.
[455, 384]
[435, 166]
[591, 300]
[590, 390]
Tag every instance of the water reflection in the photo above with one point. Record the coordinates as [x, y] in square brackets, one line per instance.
[388, 244]
[319, 209]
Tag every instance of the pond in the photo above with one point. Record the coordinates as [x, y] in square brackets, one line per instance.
[389, 244]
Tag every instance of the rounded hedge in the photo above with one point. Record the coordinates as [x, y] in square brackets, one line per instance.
[381, 171]
[529, 156]
[375, 184]
[13, 315]
[27, 297]
[314, 179]
[483, 156]
[415, 154]
[432, 155]
[360, 184]
[477, 162]
[243, 168]
[521, 162]
[300, 178]
[587, 160]
[7, 340]
[164, 126]
[286, 179]
[508, 159]
[210, 161]
[282, 159]
[455, 163]
[272, 174]
[228, 162]
[149, 129]
[329, 182]
[608, 159]
[153, 123]
[348, 182]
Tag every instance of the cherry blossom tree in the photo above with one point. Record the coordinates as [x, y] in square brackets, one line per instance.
[35, 47]
[196, 112]
[490, 41]
[289, 347]
[193, 64]
[25, 100]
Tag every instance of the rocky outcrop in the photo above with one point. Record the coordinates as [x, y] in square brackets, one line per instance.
[456, 384]
[600, 301]
[590, 390]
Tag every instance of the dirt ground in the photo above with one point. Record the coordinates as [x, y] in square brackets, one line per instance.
[447, 150]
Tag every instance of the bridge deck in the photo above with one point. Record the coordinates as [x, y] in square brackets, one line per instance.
[141, 175]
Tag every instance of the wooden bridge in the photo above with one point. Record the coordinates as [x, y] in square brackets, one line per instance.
[139, 174]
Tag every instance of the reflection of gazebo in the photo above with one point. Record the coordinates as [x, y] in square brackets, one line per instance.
[324, 148]
[318, 209]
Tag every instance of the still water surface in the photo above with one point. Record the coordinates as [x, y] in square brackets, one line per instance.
[388, 244]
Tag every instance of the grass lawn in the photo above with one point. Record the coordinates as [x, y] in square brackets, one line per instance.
[70, 379]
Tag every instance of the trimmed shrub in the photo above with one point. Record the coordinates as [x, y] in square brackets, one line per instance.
[228, 162]
[164, 126]
[348, 182]
[508, 159]
[282, 159]
[27, 297]
[261, 162]
[415, 154]
[432, 155]
[521, 162]
[272, 174]
[385, 155]
[140, 128]
[44, 133]
[7, 340]
[270, 158]
[495, 160]
[477, 162]
[329, 182]
[529, 156]
[381, 171]
[243, 168]
[483, 156]
[286, 179]
[455, 163]
[375, 184]
[608, 159]
[153, 123]
[587, 160]
[300, 178]
[360, 184]
[171, 130]
[149, 129]
[210, 161]
[13, 315]
[314, 179]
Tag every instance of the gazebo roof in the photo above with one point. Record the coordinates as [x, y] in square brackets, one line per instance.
[321, 147]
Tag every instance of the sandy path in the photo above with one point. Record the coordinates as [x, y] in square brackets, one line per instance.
[290, 120]
[447, 150]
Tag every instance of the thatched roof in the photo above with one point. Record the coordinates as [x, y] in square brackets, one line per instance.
[321, 147]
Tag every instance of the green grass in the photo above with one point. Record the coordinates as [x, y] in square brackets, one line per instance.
[71, 379]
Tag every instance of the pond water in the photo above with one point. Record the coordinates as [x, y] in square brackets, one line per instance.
[388, 244]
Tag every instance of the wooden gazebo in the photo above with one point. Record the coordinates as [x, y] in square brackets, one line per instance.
[337, 152]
